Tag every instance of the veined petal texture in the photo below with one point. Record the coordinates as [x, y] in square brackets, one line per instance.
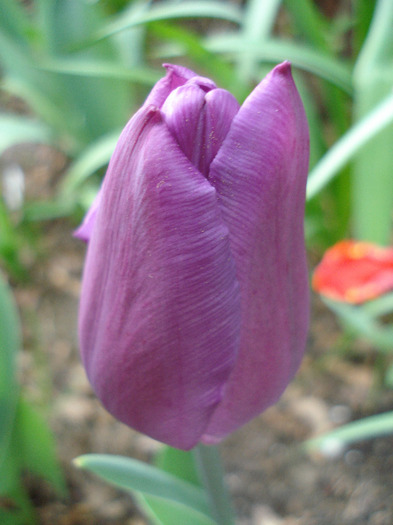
[160, 304]
[199, 117]
[260, 176]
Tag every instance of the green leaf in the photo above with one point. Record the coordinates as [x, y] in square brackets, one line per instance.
[258, 22]
[381, 306]
[18, 509]
[13, 20]
[98, 104]
[165, 512]
[274, 50]
[135, 475]
[31, 447]
[179, 463]
[100, 69]
[36, 447]
[309, 22]
[361, 319]
[17, 130]
[10, 344]
[167, 10]
[42, 92]
[366, 428]
[92, 158]
[372, 170]
[48, 210]
[349, 145]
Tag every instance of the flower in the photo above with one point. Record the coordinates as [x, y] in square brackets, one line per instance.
[354, 272]
[194, 303]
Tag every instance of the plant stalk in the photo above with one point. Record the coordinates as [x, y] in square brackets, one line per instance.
[208, 461]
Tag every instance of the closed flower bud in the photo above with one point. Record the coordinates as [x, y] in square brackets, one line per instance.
[194, 305]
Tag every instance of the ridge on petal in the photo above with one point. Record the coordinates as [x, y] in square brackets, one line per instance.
[260, 176]
[160, 303]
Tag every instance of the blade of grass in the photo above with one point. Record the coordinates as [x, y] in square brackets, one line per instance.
[168, 10]
[372, 183]
[100, 69]
[10, 344]
[366, 428]
[258, 22]
[309, 22]
[17, 130]
[359, 319]
[349, 145]
[93, 158]
[301, 56]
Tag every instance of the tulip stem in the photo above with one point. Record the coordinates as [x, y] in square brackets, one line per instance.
[212, 475]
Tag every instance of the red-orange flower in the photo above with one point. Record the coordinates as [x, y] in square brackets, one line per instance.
[354, 272]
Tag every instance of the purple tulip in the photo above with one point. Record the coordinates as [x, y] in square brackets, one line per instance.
[194, 307]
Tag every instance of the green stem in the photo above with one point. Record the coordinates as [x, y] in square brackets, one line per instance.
[210, 469]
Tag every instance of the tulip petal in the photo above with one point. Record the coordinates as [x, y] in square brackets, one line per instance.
[260, 175]
[354, 272]
[200, 120]
[160, 304]
[85, 229]
[176, 76]
[221, 108]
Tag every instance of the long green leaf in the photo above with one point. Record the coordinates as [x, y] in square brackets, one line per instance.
[93, 158]
[372, 182]
[17, 130]
[274, 50]
[381, 306]
[135, 475]
[100, 69]
[366, 428]
[165, 512]
[364, 323]
[349, 145]
[99, 104]
[10, 344]
[14, 20]
[36, 446]
[256, 28]
[168, 10]
[309, 22]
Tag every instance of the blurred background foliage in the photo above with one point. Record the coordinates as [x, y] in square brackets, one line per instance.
[73, 72]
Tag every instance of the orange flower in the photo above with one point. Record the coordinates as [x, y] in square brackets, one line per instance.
[354, 272]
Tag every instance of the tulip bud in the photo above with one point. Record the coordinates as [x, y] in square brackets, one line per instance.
[194, 305]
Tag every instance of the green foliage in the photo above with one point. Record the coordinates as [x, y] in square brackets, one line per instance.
[360, 430]
[166, 493]
[26, 443]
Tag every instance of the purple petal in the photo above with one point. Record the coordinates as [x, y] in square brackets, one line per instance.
[85, 229]
[260, 175]
[199, 121]
[160, 305]
[176, 76]
[221, 108]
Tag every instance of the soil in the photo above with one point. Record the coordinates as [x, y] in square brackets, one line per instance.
[273, 481]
